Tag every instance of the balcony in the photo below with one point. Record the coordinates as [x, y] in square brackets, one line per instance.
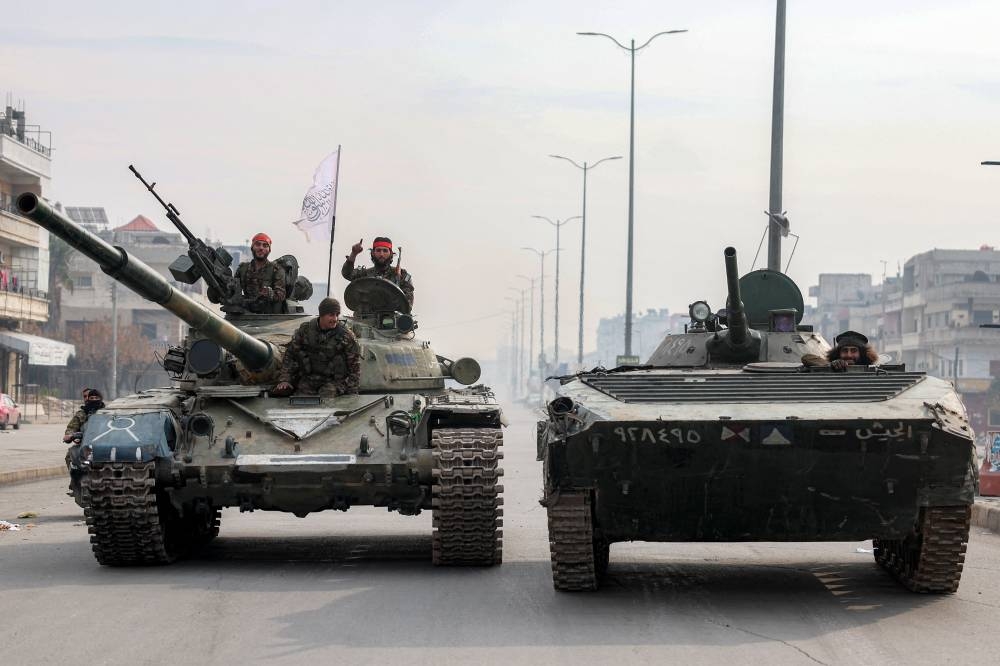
[24, 306]
[16, 229]
[960, 335]
[31, 157]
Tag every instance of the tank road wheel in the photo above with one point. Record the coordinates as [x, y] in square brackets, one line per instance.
[201, 526]
[579, 558]
[127, 523]
[931, 559]
[467, 496]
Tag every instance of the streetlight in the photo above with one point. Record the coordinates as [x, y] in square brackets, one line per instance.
[541, 316]
[531, 324]
[631, 173]
[520, 334]
[513, 345]
[558, 225]
[583, 241]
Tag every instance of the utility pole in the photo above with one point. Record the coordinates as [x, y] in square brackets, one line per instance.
[558, 225]
[777, 223]
[531, 325]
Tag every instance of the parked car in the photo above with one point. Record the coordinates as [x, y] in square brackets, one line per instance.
[10, 413]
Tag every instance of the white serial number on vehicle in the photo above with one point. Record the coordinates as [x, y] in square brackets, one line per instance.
[657, 435]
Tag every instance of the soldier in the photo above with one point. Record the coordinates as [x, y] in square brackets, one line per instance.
[322, 358]
[852, 348]
[263, 281]
[381, 254]
[92, 401]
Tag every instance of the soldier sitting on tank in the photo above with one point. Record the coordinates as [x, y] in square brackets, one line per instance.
[263, 281]
[322, 358]
[381, 254]
[92, 401]
[852, 348]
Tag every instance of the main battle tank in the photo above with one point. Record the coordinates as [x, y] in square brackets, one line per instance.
[156, 468]
[725, 436]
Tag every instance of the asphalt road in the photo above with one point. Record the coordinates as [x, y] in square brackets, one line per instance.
[358, 587]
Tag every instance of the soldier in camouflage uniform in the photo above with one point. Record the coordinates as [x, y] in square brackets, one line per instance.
[263, 281]
[92, 401]
[322, 358]
[381, 254]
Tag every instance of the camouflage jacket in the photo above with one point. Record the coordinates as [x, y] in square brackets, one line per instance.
[254, 280]
[316, 357]
[388, 272]
[76, 423]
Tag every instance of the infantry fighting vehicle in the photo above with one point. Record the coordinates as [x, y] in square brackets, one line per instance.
[156, 468]
[725, 436]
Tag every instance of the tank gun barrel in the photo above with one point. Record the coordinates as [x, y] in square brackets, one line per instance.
[736, 315]
[256, 354]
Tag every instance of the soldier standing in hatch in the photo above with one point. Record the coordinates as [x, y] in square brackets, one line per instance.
[381, 254]
[263, 281]
[322, 358]
[852, 348]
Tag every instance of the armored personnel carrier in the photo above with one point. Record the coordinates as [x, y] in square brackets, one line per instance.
[156, 468]
[724, 436]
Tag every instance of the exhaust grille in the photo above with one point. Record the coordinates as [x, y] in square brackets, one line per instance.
[753, 387]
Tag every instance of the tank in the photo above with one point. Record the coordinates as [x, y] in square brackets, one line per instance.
[724, 436]
[156, 468]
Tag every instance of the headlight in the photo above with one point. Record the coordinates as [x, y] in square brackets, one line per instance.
[699, 311]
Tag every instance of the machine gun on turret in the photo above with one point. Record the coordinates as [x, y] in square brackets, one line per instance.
[214, 265]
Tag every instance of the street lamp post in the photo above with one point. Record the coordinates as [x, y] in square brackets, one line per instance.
[631, 172]
[583, 242]
[522, 297]
[541, 307]
[531, 324]
[514, 352]
[558, 225]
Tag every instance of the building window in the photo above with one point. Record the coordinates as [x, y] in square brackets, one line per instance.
[982, 317]
[148, 331]
[995, 418]
[83, 282]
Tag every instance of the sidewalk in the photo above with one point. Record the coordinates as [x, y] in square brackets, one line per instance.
[34, 452]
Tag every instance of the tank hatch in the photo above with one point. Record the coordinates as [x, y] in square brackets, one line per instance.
[754, 387]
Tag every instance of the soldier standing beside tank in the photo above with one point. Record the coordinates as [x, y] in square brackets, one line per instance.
[381, 254]
[263, 281]
[92, 401]
[322, 358]
[852, 348]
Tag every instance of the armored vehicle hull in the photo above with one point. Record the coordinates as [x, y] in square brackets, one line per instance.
[721, 441]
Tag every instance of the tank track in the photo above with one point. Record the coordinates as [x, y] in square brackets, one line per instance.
[466, 496]
[125, 521]
[930, 560]
[579, 558]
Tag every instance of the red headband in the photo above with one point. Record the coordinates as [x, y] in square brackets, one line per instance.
[387, 245]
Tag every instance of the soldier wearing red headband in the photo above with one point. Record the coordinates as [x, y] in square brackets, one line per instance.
[263, 281]
[381, 254]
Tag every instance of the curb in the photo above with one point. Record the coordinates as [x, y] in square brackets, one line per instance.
[987, 515]
[28, 475]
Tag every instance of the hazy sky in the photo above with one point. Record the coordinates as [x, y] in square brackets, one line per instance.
[447, 112]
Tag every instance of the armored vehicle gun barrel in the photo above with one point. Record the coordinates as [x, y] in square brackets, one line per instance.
[736, 314]
[256, 354]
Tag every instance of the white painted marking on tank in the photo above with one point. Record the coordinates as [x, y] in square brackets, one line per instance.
[114, 453]
[112, 425]
[138, 454]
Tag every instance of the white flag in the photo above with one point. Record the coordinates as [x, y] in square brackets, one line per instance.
[320, 203]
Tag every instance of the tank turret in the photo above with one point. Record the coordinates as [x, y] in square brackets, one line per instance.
[258, 356]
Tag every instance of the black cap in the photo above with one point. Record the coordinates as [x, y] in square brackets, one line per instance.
[329, 306]
[851, 339]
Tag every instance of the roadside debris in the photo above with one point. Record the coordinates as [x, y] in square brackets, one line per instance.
[27, 514]
[12, 527]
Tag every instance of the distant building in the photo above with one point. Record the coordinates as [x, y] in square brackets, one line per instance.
[25, 166]
[928, 317]
[648, 329]
[91, 296]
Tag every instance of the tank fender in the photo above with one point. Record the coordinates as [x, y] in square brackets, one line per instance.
[114, 436]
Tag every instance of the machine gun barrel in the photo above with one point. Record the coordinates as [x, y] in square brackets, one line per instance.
[738, 326]
[256, 354]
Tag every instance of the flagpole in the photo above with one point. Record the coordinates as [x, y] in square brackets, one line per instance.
[333, 225]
